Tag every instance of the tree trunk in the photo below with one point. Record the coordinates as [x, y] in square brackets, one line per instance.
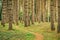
[52, 14]
[48, 10]
[38, 11]
[17, 11]
[26, 13]
[43, 10]
[33, 11]
[4, 12]
[10, 12]
[58, 28]
[56, 10]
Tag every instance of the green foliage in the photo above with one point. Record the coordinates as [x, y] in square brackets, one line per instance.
[5, 34]
[29, 36]
[24, 33]
[44, 29]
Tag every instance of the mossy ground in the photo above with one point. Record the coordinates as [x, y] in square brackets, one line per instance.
[23, 33]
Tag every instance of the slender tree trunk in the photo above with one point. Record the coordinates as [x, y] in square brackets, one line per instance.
[38, 14]
[29, 11]
[17, 11]
[56, 10]
[13, 5]
[26, 13]
[33, 11]
[48, 10]
[52, 14]
[58, 28]
[10, 12]
[43, 10]
[38, 11]
[4, 12]
[36, 1]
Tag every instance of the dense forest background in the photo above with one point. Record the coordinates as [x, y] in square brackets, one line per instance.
[29, 19]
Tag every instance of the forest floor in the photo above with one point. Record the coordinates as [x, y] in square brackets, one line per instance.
[37, 35]
[38, 31]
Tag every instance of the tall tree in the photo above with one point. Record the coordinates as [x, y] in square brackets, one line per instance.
[13, 5]
[29, 11]
[10, 13]
[4, 12]
[48, 10]
[33, 11]
[38, 10]
[36, 4]
[17, 11]
[43, 10]
[52, 14]
[56, 10]
[26, 13]
[58, 28]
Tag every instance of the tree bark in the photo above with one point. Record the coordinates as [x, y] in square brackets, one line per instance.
[17, 11]
[10, 12]
[43, 10]
[4, 12]
[52, 14]
[33, 11]
[26, 13]
[58, 28]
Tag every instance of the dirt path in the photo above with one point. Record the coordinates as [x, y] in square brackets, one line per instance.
[37, 35]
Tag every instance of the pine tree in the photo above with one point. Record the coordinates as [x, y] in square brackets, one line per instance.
[52, 14]
[58, 28]
[33, 11]
[10, 13]
[26, 13]
[4, 12]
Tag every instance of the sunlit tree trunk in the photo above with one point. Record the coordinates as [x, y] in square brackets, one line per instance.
[17, 11]
[26, 13]
[56, 10]
[29, 11]
[10, 13]
[33, 11]
[38, 11]
[4, 12]
[23, 11]
[48, 10]
[20, 10]
[13, 5]
[58, 28]
[36, 1]
[52, 14]
[43, 10]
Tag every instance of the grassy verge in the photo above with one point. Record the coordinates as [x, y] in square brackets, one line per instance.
[22, 34]
[44, 29]
[6, 34]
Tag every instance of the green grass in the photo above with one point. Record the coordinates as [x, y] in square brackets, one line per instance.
[15, 35]
[44, 29]
[6, 34]
[23, 33]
